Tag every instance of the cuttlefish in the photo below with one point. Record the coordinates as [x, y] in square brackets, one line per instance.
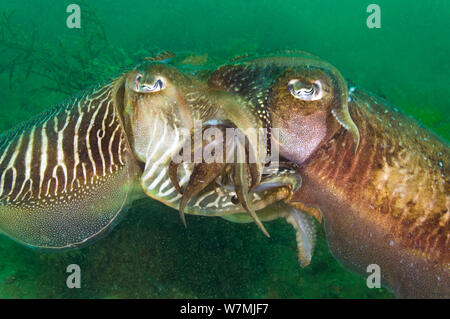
[377, 177]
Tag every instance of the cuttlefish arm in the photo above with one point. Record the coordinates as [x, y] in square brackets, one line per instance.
[52, 194]
[305, 234]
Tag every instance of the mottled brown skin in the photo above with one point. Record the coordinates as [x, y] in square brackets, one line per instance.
[379, 179]
[388, 203]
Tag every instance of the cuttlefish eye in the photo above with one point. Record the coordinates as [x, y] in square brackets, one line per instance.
[304, 91]
[158, 84]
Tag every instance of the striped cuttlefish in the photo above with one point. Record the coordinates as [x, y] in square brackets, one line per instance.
[377, 177]
[68, 174]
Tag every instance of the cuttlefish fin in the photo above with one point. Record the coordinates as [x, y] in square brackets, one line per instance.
[202, 175]
[344, 118]
[305, 234]
[241, 185]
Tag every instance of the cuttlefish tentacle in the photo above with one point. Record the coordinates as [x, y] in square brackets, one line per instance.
[387, 205]
[341, 112]
[203, 174]
[245, 176]
[261, 69]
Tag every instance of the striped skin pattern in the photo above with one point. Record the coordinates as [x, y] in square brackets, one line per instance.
[158, 124]
[61, 171]
[383, 190]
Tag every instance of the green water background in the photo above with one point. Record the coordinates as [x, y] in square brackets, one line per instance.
[150, 254]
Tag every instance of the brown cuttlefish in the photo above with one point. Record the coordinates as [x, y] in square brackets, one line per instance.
[378, 178]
